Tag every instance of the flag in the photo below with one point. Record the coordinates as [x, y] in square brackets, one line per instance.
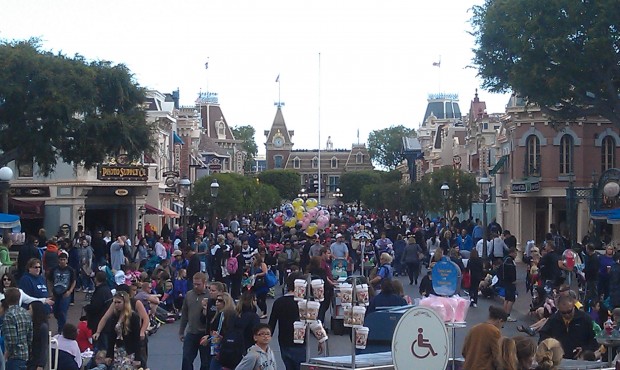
[207, 65]
[278, 78]
[437, 64]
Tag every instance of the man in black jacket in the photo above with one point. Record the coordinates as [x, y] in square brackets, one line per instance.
[591, 273]
[507, 275]
[26, 252]
[571, 327]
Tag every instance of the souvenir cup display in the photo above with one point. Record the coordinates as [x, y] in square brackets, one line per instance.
[312, 313]
[357, 316]
[361, 291]
[303, 312]
[346, 292]
[300, 289]
[348, 316]
[299, 332]
[361, 337]
[318, 289]
[319, 331]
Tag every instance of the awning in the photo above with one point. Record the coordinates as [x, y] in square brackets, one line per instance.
[498, 166]
[150, 210]
[169, 213]
[9, 222]
[27, 209]
[177, 139]
[611, 215]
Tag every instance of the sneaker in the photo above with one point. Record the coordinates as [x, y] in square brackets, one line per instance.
[511, 319]
[78, 289]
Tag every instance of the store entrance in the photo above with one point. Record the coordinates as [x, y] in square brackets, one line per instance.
[114, 219]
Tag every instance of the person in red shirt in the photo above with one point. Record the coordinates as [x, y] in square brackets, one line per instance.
[84, 336]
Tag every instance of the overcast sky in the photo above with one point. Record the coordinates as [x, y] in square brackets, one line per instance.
[376, 57]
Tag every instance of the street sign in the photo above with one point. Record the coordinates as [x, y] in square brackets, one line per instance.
[420, 341]
[170, 190]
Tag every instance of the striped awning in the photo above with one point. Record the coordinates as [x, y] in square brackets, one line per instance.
[169, 213]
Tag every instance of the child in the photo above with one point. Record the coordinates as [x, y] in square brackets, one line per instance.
[84, 336]
[260, 355]
[180, 289]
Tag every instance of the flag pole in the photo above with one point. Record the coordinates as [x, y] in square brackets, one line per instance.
[319, 130]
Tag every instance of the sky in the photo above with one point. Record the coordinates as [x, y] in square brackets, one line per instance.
[345, 66]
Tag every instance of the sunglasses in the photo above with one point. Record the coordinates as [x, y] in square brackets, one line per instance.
[6, 279]
[566, 313]
[35, 267]
[219, 300]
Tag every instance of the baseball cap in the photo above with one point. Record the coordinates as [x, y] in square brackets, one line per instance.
[177, 253]
[338, 236]
[119, 278]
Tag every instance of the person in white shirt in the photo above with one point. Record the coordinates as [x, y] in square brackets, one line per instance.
[160, 250]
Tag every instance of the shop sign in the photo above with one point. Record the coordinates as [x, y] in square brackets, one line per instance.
[446, 277]
[35, 191]
[525, 186]
[121, 192]
[122, 173]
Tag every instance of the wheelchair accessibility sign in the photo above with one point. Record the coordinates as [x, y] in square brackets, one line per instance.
[420, 341]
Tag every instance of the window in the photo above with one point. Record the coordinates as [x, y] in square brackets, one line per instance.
[532, 160]
[221, 129]
[277, 161]
[315, 162]
[24, 168]
[608, 151]
[566, 155]
[333, 182]
[296, 162]
[334, 162]
[485, 126]
[359, 157]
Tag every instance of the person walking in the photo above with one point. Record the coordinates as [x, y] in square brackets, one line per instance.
[62, 282]
[507, 275]
[411, 258]
[192, 328]
[17, 331]
[476, 273]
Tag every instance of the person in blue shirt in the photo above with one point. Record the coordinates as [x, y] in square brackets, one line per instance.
[477, 232]
[465, 243]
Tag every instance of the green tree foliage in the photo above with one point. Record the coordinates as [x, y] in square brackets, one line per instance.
[463, 188]
[393, 196]
[562, 55]
[55, 107]
[246, 133]
[286, 181]
[237, 195]
[351, 184]
[385, 145]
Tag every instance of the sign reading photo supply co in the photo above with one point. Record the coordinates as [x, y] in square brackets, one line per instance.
[122, 173]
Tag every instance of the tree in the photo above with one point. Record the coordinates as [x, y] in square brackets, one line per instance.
[463, 188]
[286, 181]
[385, 145]
[238, 195]
[55, 107]
[246, 133]
[562, 55]
[351, 184]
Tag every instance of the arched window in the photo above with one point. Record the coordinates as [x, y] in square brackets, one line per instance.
[608, 153]
[566, 155]
[296, 162]
[334, 162]
[315, 162]
[277, 161]
[359, 157]
[532, 159]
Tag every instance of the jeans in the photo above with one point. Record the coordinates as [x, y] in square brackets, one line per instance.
[293, 357]
[413, 270]
[191, 346]
[61, 306]
[14, 364]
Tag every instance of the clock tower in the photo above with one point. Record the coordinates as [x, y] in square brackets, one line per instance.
[278, 144]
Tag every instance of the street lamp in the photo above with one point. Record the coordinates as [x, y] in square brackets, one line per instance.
[485, 185]
[184, 187]
[141, 212]
[445, 191]
[303, 194]
[215, 189]
[571, 208]
[6, 174]
[81, 213]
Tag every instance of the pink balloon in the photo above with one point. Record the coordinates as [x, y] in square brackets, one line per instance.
[322, 221]
[313, 212]
[305, 223]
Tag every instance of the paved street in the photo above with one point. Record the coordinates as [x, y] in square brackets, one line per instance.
[165, 349]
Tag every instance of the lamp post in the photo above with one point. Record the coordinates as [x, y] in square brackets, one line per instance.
[141, 212]
[303, 194]
[571, 209]
[215, 189]
[81, 212]
[6, 174]
[445, 191]
[485, 185]
[338, 195]
[184, 188]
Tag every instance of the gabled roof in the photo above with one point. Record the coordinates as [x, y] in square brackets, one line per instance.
[279, 125]
[215, 115]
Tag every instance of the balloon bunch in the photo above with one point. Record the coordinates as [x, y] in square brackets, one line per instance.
[307, 214]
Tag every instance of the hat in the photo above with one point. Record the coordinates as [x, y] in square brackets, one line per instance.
[177, 253]
[63, 252]
[119, 278]
[339, 236]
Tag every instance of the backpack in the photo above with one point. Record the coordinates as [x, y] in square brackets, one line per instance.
[232, 348]
[232, 264]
